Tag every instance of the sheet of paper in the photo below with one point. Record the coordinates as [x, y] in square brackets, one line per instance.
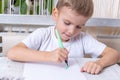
[47, 71]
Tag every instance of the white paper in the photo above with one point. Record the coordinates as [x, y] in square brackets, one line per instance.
[47, 71]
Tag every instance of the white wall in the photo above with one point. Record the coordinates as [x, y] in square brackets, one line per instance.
[107, 8]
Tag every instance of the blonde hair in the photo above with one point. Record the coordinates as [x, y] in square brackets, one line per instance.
[82, 7]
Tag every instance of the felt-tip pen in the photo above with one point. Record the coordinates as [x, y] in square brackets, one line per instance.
[60, 44]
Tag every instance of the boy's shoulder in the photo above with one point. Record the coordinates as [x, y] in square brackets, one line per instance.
[44, 30]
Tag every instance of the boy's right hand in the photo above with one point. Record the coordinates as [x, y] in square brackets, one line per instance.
[58, 55]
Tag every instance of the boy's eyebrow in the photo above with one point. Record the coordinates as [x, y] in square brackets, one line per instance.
[67, 20]
[72, 23]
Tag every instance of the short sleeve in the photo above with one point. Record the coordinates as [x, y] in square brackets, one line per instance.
[34, 40]
[92, 46]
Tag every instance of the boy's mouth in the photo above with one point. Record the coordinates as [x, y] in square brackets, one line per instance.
[66, 36]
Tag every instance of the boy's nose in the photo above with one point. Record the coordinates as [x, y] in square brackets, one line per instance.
[71, 31]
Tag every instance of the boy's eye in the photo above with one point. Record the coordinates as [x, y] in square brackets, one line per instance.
[79, 27]
[67, 23]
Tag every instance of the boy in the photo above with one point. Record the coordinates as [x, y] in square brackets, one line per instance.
[70, 17]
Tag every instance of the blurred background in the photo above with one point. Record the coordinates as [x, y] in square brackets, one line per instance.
[19, 17]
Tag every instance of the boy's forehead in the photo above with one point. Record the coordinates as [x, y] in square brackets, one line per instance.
[68, 9]
[70, 15]
[70, 12]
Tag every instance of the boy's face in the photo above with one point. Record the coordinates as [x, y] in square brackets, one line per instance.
[68, 22]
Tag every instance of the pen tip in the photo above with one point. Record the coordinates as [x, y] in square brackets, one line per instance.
[67, 66]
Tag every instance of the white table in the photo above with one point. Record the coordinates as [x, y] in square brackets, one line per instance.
[14, 70]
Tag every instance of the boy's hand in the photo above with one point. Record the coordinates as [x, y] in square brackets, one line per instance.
[58, 55]
[92, 67]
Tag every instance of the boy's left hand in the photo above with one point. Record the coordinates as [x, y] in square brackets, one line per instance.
[92, 67]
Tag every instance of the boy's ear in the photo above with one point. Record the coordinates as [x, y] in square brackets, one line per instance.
[55, 14]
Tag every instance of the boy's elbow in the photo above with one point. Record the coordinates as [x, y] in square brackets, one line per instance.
[13, 52]
[118, 56]
[10, 54]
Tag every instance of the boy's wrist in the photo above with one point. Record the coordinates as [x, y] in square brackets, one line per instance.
[47, 56]
[99, 62]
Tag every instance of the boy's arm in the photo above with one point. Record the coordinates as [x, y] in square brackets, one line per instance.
[21, 52]
[108, 57]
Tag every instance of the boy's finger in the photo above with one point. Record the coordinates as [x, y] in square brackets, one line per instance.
[93, 69]
[89, 67]
[85, 66]
[64, 50]
[61, 59]
[65, 56]
[97, 70]
[82, 70]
